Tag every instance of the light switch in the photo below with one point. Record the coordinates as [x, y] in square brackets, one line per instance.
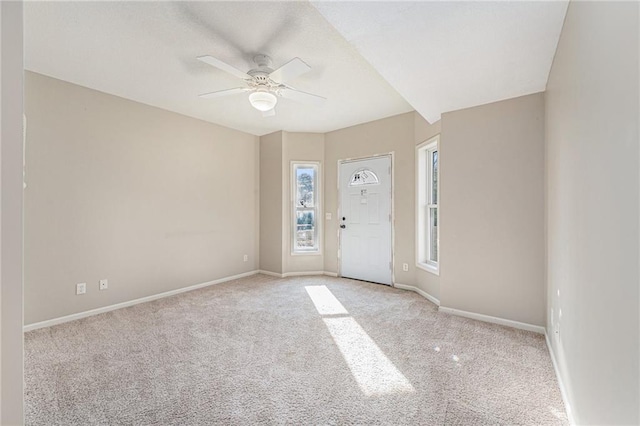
[327, 216]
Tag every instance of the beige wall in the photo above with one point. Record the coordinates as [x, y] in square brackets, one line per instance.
[301, 147]
[424, 131]
[11, 258]
[394, 134]
[592, 211]
[492, 208]
[271, 249]
[150, 200]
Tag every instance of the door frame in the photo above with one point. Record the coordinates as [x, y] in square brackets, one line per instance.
[391, 155]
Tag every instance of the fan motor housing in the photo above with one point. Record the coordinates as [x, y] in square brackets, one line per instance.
[260, 80]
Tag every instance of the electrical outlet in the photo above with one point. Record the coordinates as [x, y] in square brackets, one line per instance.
[246, 257]
[405, 267]
[81, 288]
[104, 284]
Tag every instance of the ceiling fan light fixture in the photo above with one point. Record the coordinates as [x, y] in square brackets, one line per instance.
[263, 101]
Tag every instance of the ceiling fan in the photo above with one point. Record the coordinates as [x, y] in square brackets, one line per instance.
[265, 84]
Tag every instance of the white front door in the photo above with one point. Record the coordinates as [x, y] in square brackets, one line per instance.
[365, 219]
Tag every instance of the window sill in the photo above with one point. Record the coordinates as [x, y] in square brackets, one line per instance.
[435, 270]
[306, 253]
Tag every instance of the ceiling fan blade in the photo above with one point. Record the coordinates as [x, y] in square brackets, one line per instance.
[289, 71]
[269, 113]
[223, 66]
[221, 93]
[299, 96]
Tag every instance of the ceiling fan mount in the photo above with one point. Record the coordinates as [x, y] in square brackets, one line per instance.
[263, 61]
[265, 84]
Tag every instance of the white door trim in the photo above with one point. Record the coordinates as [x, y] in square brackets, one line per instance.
[390, 154]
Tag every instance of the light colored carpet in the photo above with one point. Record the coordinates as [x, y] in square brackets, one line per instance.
[311, 350]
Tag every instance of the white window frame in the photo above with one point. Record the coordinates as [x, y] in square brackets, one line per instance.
[424, 190]
[316, 249]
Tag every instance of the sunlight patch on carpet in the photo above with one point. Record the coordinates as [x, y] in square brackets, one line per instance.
[326, 303]
[374, 372]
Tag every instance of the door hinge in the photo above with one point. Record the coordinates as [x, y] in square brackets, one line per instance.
[391, 265]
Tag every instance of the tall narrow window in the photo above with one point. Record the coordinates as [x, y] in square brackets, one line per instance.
[305, 207]
[428, 200]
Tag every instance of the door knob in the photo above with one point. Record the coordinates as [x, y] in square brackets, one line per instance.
[343, 226]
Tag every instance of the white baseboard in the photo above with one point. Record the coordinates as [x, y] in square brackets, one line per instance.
[302, 274]
[473, 315]
[494, 320]
[297, 274]
[563, 389]
[72, 317]
[271, 274]
[421, 292]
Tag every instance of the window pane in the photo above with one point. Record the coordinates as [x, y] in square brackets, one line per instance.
[305, 230]
[433, 231]
[434, 177]
[427, 198]
[363, 177]
[305, 182]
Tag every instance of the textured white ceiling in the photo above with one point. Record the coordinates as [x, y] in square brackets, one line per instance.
[369, 59]
[444, 56]
[146, 51]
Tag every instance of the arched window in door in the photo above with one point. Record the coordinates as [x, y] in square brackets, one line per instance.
[363, 177]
